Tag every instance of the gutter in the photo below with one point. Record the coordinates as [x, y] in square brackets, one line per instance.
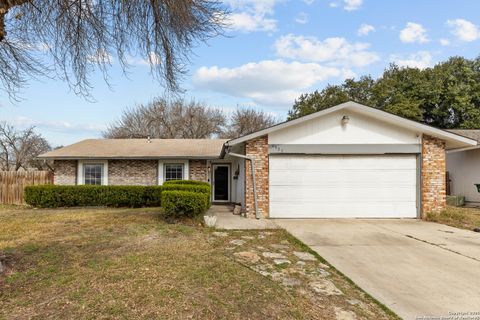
[227, 150]
[462, 149]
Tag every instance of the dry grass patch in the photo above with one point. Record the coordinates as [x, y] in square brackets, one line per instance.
[130, 264]
[459, 217]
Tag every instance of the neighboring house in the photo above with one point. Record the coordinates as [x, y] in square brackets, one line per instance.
[348, 161]
[463, 166]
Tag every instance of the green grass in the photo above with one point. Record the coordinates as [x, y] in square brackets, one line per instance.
[459, 217]
[130, 264]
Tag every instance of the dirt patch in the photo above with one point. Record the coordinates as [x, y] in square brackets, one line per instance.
[277, 257]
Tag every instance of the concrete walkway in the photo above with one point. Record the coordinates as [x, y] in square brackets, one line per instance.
[416, 268]
[227, 220]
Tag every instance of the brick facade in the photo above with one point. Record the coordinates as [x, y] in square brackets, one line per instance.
[257, 149]
[433, 175]
[65, 172]
[198, 170]
[133, 172]
[126, 172]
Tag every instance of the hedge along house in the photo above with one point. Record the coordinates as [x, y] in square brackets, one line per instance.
[348, 161]
[149, 162]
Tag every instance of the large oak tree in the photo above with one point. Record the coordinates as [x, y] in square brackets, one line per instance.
[446, 95]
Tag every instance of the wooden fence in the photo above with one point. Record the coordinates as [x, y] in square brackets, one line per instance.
[12, 184]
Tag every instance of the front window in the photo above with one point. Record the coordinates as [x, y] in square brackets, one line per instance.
[93, 173]
[173, 171]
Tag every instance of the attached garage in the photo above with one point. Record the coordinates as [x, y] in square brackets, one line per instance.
[347, 161]
[343, 186]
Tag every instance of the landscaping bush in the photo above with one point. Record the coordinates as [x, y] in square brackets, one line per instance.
[52, 196]
[188, 187]
[188, 182]
[177, 203]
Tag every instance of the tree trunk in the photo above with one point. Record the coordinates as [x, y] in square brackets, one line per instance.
[6, 5]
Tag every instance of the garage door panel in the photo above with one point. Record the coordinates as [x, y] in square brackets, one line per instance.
[333, 178]
[370, 186]
[348, 162]
[332, 210]
[357, 194]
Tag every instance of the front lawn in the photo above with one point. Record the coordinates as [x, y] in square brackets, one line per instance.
[130, 264]
[459, 217]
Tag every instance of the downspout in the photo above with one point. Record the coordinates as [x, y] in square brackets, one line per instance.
[227, 149]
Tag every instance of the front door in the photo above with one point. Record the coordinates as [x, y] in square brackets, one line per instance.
[221, 183]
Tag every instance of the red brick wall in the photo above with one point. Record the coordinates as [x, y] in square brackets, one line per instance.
[65, 172]
[433, 175]
[198, 170]
[257, 149]
[132, 172]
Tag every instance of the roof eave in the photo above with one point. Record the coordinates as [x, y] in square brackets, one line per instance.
[423, 128]
[127, 158]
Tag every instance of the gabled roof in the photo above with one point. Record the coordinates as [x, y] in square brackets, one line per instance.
[139, 149]
[453, 140]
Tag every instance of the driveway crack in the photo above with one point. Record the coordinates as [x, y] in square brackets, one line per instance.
[441, 247]
[428, 242]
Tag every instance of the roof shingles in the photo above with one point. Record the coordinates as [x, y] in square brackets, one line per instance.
[469, 133]
[139, 149]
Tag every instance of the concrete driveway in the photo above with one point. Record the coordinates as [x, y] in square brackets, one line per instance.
[416, 268]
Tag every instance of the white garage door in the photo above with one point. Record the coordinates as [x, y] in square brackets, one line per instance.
[343, 186]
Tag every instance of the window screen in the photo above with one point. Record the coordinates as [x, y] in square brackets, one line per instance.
[93, 173]
[173, 171]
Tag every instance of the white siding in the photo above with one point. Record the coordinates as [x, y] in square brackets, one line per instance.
[315, 186]
[328, 130]
[464, 170]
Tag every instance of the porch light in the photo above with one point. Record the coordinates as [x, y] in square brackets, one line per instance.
[345, 120]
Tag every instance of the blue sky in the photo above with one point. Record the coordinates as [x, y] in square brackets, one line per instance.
[274, 51]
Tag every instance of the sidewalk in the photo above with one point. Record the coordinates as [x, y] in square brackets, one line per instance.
[227, 220]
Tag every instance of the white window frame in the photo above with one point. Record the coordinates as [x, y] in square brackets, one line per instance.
[81, 178]
[161, 169]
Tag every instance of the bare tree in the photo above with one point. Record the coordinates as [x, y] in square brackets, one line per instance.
[247, 120]
[79, 35]
[19, 148]
[164, 119]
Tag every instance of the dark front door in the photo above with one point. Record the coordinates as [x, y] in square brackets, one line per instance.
[221, 182]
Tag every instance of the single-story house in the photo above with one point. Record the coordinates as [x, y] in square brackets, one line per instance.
[347, 161]
[463, 167]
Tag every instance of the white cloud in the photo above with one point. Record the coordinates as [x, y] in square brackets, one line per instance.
[101, 57]
[413, 32]
[309, 2]
[268, 82]
[348, 5]
[301, 18]
[464, 30]
[152, 58]
[252, 15]
[335, 51]
[351, 5]
[420, 60]
[444, 42]
[365, 29]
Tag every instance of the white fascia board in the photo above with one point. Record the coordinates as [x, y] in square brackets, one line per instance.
[379, 114]
[463, 149]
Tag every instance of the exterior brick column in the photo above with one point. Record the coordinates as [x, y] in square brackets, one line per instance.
[257, 149]
[433, 175]
[198, 170]
[65, 172]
